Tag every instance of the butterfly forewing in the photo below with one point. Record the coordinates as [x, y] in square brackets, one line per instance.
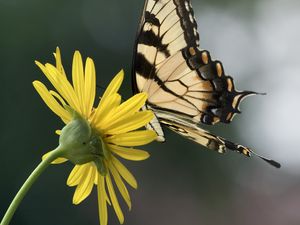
[174, 72]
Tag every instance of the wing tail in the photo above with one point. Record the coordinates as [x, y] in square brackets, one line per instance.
[248, 152]
[193, 132]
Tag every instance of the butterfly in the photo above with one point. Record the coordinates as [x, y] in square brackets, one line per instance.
[185, 86]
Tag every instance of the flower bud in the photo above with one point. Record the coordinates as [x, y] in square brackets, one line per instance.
[80, 144]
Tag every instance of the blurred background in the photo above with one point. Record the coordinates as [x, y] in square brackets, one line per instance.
[182, 183]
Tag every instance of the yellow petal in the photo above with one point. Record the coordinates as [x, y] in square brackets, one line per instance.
[59, 65]
[133, 138]
[129, 153]
[56, 95]
[124, 172]
[96, 180]
[64, 88]
[76, 174]
[127, 108]
[90, 85]
[102, 200]
[120, 185]
[96, 183]
[114, 199]
[61, 84]
[78, 79]
[85, 185]
[56, 161]
[130, 123]
[101, 112]
[51, 102]
[113, 87]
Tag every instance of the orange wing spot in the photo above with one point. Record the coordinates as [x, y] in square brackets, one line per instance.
[192, 51]
[229, 84]
[204, 57]
[219, 69]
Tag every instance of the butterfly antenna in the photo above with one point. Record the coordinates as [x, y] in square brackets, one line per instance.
[247, 152]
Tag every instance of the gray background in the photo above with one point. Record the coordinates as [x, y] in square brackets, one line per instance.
[258, 43]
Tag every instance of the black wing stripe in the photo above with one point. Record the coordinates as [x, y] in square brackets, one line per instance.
[190, 27]
[212, 93]
[143, 66]
[162, 85]
[185, 86]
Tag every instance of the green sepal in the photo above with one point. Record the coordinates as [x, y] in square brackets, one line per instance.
[101, 166]
[79, 142]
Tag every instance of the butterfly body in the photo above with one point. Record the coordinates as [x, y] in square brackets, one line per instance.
[185, 87]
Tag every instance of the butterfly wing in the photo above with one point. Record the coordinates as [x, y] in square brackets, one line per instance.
[180, 78]
[175, 73]
[190, 130]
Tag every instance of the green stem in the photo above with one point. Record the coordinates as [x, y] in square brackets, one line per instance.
[28, 183]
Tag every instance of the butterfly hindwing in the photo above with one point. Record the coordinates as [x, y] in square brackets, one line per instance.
[192, 131]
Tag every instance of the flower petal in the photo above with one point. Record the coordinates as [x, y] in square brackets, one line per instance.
[133, 138]
[56, 161]
[85, 185]
[102, 196]
[114, 199]
[51, 102]
[59, 98]
[89, 86]
[130, 123]
[61, 84]
[78, 79]
[96, 183]
[124, 172]
[113, 87]
[101, 112]
[129, 153]
[76, 174]
[120, 184]
[127, 108]
[96, 179]
[59, 65]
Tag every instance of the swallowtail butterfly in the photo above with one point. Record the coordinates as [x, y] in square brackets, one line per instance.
[185, 86]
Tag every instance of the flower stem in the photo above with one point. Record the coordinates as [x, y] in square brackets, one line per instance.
[28, 183]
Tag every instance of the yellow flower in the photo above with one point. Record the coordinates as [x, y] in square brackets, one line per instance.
[113, 126]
